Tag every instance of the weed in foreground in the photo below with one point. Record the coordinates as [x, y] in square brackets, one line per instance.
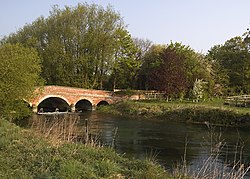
[212, 167]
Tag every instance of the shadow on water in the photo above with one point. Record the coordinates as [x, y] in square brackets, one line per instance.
[166, 141]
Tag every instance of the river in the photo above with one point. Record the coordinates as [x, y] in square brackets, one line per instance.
[169, 143]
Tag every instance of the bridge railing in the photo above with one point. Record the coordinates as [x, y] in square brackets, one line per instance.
[140, 94]
[154, 95]
[239, 101]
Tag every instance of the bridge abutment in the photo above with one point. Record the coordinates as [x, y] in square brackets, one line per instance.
[34, 108]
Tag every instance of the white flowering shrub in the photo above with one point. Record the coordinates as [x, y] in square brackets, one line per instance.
[198, 89]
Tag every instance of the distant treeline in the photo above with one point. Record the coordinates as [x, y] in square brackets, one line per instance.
[88, 46]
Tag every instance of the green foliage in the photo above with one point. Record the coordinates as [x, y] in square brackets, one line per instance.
[25, 155]
[174, 69]
[126, 65]
[88, 46]
[79, 45]
[213, 112]
[231, 62]
[151, 60]
[19, 75]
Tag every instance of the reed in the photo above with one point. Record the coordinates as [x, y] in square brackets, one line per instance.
[212, 167]
[61, 129]
[25, 155]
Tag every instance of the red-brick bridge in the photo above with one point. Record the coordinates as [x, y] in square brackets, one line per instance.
[63, 99]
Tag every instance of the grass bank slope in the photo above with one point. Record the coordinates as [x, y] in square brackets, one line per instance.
[213, 112]
[25, 155]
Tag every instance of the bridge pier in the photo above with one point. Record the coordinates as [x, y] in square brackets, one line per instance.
[94, 107]
[72, 108]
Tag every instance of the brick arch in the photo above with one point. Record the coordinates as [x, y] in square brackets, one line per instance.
[83, 98]
[52, 96]
[83, 105]
[103, 100]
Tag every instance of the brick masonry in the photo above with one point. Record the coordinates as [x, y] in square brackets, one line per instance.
[72, 96]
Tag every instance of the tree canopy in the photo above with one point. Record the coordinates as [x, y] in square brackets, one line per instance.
[88, 46]
[19, 75]
[77, 45]
[173, 69]
[232, 60]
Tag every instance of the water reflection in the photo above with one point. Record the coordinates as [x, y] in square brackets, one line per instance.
[168, 140]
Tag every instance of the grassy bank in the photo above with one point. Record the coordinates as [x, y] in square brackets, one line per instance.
[25, 154]
[214, 112]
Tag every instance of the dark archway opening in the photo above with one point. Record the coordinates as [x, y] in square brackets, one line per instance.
[83, 105]
[102, 103]
[53, 104]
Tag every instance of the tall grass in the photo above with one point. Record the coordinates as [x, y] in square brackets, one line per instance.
[56, 129]
[25, 155]
[59, 129]
[212, 167]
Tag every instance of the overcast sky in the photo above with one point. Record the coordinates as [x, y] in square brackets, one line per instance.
[198, 23]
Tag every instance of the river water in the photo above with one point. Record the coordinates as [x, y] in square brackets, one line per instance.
[169, 143]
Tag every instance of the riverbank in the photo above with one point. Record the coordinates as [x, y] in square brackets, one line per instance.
[212, 112]
[25, 154]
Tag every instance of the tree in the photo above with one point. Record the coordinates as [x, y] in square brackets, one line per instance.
[195, 64]
[143, 46]
[232, 61]
[220, 74]
[19, 75]
[77, 45]
[174, 69]
[151, 60]
[169, 75]
[126, 64]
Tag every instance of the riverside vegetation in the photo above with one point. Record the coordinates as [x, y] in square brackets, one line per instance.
[52, 151]
[28, 154]
[212, 112]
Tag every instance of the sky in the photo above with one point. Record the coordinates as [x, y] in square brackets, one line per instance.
[201, 24]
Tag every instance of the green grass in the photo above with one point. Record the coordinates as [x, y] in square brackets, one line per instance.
[214, 112]
[24, 154]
